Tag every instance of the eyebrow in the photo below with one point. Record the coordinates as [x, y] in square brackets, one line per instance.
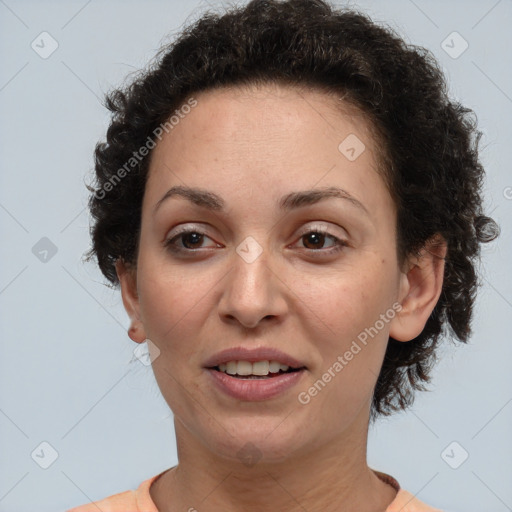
[291, 201]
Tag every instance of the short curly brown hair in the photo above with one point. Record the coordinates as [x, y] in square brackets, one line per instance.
[430, 145]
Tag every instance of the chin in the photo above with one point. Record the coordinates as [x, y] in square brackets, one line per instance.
[255, 441]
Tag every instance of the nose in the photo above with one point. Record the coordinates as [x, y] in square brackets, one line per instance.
[252, 292]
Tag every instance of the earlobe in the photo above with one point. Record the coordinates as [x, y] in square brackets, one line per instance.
[420, 288]
[128, 281]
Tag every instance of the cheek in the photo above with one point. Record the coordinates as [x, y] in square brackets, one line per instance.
[169, 304]
[171, 310]
[342, 316]
[346, 302]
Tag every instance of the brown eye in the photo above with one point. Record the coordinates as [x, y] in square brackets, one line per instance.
[191, 240]
[315, 240]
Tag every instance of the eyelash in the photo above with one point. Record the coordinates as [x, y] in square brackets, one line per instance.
[340, 243]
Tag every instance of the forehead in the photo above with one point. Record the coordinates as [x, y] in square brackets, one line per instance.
[275, 138]
[270, 112]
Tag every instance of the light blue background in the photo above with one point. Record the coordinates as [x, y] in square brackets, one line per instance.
[67, 372]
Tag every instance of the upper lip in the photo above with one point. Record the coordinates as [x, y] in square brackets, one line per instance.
[252, 355]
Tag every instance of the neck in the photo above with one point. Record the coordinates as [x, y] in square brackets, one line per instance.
[329, 478]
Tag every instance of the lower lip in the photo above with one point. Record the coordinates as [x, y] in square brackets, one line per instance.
[255, 389]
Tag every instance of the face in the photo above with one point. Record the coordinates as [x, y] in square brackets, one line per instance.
[249, 268]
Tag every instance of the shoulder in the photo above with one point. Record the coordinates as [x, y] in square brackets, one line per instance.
[122, 502]
[407, 502]
[127, 501]
[404, 501]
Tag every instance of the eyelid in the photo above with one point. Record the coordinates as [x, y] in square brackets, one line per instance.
[340, 241]
[185, 228]
[322, 229]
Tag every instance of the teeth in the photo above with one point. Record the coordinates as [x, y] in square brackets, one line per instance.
[231, 367]
[244, 368]
[261, 368]
[274, 366]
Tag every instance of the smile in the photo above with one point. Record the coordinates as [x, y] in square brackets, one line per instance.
[251, 387]
[254, 370]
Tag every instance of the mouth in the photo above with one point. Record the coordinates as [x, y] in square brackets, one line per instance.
[259, 370]
[255, 381]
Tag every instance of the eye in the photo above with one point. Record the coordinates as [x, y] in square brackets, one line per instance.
[191, 239]
[314, 239]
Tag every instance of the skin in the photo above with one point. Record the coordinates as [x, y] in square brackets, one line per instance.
[252, 146]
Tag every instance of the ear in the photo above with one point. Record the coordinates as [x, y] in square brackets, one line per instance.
[421, 283]
[128, 280]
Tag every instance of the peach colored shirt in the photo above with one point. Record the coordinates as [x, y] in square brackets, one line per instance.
[140, 499]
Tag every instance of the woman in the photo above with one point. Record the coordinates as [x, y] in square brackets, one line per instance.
[291, 206]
